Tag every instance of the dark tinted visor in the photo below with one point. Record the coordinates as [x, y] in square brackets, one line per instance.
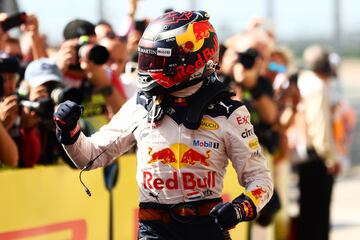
[149, 62]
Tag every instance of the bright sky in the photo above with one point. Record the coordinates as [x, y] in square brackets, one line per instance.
[293, 19]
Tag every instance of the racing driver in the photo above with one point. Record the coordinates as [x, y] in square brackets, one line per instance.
[186, 129]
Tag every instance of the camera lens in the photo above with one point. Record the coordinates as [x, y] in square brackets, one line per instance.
[98, 55]
[248, 58]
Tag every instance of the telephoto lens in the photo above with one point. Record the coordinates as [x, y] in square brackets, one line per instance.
[96, 54]
[61, 94]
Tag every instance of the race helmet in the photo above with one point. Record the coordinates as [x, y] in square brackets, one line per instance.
[177, 50]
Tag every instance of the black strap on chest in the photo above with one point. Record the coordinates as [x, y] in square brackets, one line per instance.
[197, 104]
[200, 101]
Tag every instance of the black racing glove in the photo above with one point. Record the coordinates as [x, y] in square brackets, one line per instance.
[227, 215]
[66, 119]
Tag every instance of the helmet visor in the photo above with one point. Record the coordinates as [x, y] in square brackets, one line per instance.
[150, 63]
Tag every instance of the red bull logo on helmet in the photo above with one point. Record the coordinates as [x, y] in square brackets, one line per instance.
[195, 33]
[179, 156]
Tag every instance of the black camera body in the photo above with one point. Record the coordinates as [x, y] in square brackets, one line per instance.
[14, 20]
[248, 57]
[95, 53]
[44, 107]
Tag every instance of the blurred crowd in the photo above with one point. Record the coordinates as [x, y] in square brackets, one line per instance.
[299, 114]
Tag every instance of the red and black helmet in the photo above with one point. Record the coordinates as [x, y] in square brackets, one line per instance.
[177, 50]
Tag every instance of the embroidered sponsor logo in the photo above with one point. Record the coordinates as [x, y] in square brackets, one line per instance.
[208, 124]
[186, 180]
[247, 133]
[165, 52]
[179, 156]
[253, 144]
[256, 153]
[147, 50]
[208, 192]
[206, 144]
[242, 120]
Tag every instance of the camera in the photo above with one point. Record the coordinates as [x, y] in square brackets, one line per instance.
[58, 93]
[61, 93]
[44, 107]
[248, 58]
[95, 53]
[12, 21]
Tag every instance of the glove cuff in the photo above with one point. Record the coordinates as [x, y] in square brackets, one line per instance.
[68, 137]
[245, 207]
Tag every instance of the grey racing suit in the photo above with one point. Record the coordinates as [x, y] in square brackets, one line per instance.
[176, 164]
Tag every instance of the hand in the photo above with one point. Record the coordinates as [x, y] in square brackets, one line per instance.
[38, 92]
[66, 55]
[31, 25]
[3, 34]
[227, 215]
[334, 169]
[9, 111]
[29, 119]
[67, 115]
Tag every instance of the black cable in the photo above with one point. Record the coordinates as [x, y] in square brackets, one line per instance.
[86, 167]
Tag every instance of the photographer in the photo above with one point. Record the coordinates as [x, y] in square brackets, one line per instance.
[82, 62]
[41, 77]
[8, 111]
[8, 150]
[29, 25]
[243, 63]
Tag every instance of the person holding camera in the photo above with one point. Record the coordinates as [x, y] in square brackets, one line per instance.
[11, 113]
[82, 60]
[243, 63]
[40, 91]
[9, 155]
[186, 128]
[8, 110]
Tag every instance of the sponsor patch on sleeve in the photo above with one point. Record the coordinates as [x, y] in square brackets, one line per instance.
[253, 144]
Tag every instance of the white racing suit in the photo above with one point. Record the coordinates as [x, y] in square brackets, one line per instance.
[176, 164]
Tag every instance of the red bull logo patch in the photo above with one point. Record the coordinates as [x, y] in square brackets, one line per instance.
[258, 192]
[179, 156]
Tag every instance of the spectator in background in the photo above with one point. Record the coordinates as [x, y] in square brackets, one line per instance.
[129, 77]
[14, 118]
[79, 71]
[8, 110]
[317, 173]
[36, 42]
[29, 46]
[244, 61]
[343, 114]
[41, 77]
[242, 67]
[104, 29]
[9, 155]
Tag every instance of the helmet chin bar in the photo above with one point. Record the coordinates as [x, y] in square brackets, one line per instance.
[155, 89]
